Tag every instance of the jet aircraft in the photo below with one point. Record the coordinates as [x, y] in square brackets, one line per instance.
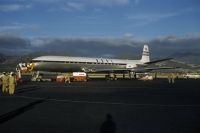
[94, 65]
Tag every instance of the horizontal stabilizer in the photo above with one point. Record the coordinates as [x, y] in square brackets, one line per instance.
[156, 61]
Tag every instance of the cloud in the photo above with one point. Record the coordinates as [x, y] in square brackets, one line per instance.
[13, 7]
[10, 27]
[79, 5]
[83, 46]
[16, 27]
[12, 44]
[71, 6]
[40, 42]
[47, 1]
[136, 1]
[99, 47]
[148, 18]
[90, 2]
[108, 2]
[160, 47]
[152, 17]
[172, 44]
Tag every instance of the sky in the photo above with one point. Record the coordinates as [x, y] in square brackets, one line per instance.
[54, 25]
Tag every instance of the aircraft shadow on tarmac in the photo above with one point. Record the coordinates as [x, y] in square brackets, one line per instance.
[10, 115]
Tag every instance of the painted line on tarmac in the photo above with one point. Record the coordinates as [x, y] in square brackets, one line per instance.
[105, 103]
[100, 87]
[81, 86]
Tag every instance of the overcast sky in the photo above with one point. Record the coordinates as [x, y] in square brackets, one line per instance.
[28, 25]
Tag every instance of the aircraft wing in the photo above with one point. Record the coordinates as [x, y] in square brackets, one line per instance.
[160, 68]
[110, 70]
[148, 69]
[137, 70]
[156, 61]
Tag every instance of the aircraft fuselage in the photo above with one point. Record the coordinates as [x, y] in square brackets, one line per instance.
[74, 64]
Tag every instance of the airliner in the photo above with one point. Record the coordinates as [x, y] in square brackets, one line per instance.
[84, 64]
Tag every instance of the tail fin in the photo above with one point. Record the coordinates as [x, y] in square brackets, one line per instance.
[145, 54]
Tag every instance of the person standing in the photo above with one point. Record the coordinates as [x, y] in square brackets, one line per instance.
[173, 78]
[67, 78]
[169, 77]
[4, 82]
[12, 83]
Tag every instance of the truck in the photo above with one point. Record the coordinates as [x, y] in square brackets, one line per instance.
[191, 76]
[79, 76]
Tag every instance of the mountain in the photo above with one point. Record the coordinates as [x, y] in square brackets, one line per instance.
[185, 60]
[2, 58]
[187, 57]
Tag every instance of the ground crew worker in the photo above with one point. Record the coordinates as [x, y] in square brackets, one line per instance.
[155, 76]
[169, 78]
[12, 83]
[67, 78]
[123, 75]
[114, 76]
[0, 81]
[173, 76]
[5, 82]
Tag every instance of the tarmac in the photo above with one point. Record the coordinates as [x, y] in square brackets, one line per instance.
[80, 107]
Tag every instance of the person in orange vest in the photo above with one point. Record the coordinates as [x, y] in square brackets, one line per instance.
[12, 83]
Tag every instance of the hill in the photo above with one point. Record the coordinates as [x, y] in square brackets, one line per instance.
[187, 61]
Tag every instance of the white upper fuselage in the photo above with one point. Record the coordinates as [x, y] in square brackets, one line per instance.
[85, 60]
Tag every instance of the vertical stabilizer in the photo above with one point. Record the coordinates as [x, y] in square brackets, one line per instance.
[145, 54]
